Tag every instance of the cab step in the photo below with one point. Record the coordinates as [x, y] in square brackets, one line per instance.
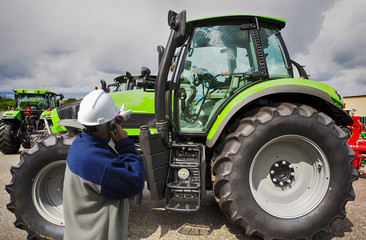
[183, 189]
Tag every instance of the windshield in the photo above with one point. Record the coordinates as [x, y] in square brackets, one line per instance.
[275, 57]
[220, 61]
[35, 102]
[122, 86]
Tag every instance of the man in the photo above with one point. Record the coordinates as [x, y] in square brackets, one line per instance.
[98, 181]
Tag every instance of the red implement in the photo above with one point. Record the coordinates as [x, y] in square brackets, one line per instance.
[358, 146]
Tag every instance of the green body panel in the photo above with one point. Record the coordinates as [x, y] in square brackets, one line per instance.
[266, 85]
[13, 114]
[138, 101]
[136, 131]
[46, 114]
[55, 118]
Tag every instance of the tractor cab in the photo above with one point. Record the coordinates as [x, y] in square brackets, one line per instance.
[35, 103]
[241, 52]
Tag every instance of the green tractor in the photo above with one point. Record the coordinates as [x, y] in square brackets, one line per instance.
[231, 123]
[29, 121]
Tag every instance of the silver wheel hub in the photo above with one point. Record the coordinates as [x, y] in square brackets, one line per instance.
[289, 176]
[282, 173]
[47, 191]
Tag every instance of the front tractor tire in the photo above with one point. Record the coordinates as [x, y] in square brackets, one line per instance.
[286, 172]
[36, 188]
[9, 144]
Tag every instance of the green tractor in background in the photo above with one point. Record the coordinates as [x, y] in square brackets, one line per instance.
[30, 120]
[230, 122]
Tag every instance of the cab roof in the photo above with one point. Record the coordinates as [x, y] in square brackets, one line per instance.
[279, 22]
[32, 91]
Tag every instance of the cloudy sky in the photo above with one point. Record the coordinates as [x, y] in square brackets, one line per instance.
[68, 46]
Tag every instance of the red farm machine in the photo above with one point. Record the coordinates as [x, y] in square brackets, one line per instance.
[357, 141]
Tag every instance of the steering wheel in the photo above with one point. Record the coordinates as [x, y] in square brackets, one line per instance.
[207, 80]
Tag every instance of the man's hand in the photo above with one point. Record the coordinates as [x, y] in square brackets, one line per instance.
[125, 114]
[116, 132]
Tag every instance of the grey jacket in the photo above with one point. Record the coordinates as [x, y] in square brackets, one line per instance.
[97, 186]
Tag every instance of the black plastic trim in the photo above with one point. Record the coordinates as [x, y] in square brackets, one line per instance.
[137, 120]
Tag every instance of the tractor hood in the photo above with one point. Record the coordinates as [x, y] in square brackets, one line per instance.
[139, 101]
[142, 105]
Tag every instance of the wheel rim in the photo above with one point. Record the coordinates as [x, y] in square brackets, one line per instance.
[47, 192]
[302, 168]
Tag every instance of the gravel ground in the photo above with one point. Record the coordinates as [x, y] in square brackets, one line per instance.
[152, 221]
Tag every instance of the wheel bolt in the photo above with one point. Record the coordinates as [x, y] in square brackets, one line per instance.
[283, 162]
[281, 183]
[293, 174]
[274, 180]
[273, 172]
[290, 166]
[276, 165]
[288, 181]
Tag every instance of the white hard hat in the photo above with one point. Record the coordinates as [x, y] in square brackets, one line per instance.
[97, 108]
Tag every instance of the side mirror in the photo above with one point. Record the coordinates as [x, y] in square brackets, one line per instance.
[145, 72]
[128, 75]
[104, 85]
[161, 51]
[144, 80]
[61, 96]
[179, 24]
[129, 82]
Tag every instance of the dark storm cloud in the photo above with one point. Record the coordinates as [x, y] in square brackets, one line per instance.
[68, 46]
[350, 53]
[304, 21]
[350, 59]
[9, 71]
[338, 55]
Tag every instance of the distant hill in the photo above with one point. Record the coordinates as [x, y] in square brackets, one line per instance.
[68, 101]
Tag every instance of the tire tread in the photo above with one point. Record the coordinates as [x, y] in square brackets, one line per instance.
[246, 127]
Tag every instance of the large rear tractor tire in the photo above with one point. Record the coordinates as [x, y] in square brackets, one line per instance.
[36, 188]
[286, 172]
[8, 143]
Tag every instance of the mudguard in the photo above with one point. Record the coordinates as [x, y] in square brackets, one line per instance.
[14, 114]
[270, 89]
[46, 114]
